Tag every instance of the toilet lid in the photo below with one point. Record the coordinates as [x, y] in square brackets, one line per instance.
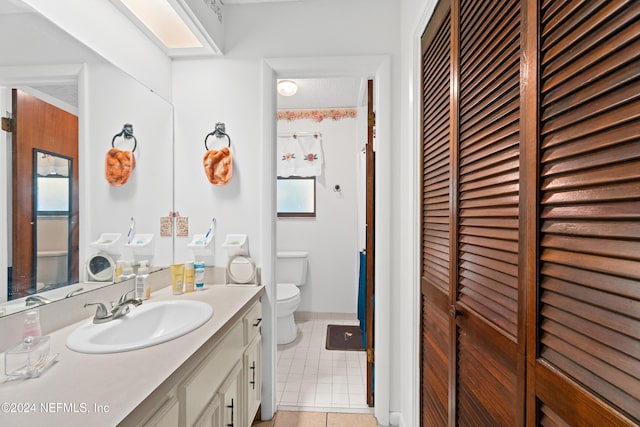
[287, 291]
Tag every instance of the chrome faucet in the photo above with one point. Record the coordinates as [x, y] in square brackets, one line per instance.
[122, 307]
[35, 300]
[74, 292]
[118, 309]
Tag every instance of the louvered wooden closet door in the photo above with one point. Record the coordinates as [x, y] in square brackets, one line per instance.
[589, 271]
[435, 339]
[487, 216]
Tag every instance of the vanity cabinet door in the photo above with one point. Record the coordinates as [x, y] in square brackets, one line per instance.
[212, 415]
[166, 416]
[252, 322]
[252, 374]
[231, 397]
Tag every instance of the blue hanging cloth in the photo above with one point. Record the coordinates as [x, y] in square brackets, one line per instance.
[362, 297]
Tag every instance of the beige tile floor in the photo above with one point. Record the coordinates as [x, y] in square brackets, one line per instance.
[318, 419]
[312, 378]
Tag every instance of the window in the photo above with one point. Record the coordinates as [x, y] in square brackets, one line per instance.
[296, 197]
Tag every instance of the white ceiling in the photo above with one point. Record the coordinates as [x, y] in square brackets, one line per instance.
[252, 1]
[13, 6]
[312, 93]
[325, 93]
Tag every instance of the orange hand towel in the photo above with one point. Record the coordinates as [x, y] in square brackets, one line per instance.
[118, 166]
[218, 166]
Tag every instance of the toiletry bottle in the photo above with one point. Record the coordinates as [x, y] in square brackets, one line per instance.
[143, 291]
[127, 272]
[189, 277]
[177, 278]
[199, 270]
[119, 267]
[31, 327]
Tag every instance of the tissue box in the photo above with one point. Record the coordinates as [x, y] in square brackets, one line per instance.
[27, 358]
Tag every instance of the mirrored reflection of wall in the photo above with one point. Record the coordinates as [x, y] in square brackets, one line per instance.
[148, 193]
[46, 57]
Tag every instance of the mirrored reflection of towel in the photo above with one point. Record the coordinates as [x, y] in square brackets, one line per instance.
[300, 156]
[218, 166]
[118, 166]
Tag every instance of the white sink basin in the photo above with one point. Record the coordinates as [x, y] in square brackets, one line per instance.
[146, 325]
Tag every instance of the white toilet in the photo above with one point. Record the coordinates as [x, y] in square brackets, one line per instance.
[291, 272]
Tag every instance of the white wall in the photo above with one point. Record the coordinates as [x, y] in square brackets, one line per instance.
[406, 305]
[229, 90]
[331, 237]
[206, 92]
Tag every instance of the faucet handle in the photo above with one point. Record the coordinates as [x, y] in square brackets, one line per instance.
[101, 312]
[123, 298]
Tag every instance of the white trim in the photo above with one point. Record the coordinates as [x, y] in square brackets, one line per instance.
[268, 242]
[413, 204]
[348, 66]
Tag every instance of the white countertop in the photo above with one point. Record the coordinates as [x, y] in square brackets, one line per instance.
[102, 389]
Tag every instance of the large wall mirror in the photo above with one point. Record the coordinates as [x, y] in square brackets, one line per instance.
[56, 202]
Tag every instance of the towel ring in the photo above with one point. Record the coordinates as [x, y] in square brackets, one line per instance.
[219, 132]
[126, 133]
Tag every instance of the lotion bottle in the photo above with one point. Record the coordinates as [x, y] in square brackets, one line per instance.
[189, 277]
[143, 291]
[177, 278]
[199, 279]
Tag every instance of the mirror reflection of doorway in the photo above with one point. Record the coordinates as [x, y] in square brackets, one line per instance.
[40, 127]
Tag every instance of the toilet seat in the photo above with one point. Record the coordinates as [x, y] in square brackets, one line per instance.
[287, 292]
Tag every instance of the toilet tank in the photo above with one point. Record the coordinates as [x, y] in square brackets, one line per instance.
[291, 267]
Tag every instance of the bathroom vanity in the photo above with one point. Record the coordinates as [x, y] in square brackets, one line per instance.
[208, 377]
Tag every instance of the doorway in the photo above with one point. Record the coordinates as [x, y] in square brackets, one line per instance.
[330, 114]
[379, 67]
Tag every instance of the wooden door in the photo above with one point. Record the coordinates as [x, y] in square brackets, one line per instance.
[38, 125]
[488, 349]
[370, 242]
[531, 214]
[472, 351]
[585, 348]
[436, 212]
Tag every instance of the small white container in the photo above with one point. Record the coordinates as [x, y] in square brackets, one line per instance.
[236, 244]
[108, 243]
[201, 245]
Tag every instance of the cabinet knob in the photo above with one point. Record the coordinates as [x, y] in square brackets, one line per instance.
[258, 320]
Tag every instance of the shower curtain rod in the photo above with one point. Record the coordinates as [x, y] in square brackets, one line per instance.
[296, 134]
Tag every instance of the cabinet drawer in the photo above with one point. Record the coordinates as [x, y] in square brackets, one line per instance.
[197, 390]
[252, 322]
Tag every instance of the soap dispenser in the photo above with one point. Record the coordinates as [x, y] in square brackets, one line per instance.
[143, 290]
[31, 326]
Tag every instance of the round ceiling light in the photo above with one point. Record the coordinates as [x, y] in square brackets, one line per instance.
[287, 87]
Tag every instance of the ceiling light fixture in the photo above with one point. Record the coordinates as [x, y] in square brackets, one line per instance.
[287, 87]
[164, 22]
